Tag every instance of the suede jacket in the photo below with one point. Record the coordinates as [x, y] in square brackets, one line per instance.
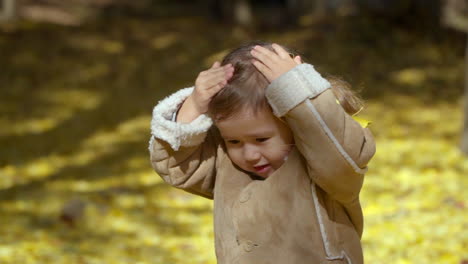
[308, 210]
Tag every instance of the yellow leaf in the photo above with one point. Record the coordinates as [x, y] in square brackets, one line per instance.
[363, 122]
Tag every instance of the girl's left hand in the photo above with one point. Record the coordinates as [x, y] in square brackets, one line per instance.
[273, 64]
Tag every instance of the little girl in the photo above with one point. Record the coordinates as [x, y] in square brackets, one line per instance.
[272, 142]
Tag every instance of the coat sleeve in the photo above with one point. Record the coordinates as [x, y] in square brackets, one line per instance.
[336, 148]
[184, 155]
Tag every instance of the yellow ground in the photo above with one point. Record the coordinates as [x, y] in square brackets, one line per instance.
[75, 107]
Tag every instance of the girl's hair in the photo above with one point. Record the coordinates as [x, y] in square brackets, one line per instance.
[246, 88]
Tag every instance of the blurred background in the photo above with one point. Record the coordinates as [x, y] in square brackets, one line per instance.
[79, 79]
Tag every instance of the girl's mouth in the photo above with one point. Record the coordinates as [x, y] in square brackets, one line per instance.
[262, 168]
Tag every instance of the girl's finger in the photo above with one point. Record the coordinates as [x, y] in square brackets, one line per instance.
[204, 79]
[297, 60]
[263, 69]
[222, 71]
[216, 64]
[264, 55]
[217, 88]
[212, 82]
[280, 51]
[226, 68]
[265, 51]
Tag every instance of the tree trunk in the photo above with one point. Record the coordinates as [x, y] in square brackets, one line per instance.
[7, 10]
[321, 8]
[464, 140]
[243, 13]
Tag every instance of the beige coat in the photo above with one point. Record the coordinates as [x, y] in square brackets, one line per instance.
[308, 211]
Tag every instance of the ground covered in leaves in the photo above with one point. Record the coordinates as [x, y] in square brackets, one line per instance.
[76, 102]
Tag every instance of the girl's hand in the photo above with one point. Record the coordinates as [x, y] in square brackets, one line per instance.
[272, 64]
[207, 84]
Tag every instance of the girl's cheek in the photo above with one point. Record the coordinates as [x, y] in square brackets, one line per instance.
[234, 155]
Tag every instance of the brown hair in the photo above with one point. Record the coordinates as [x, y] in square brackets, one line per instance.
[246, 88]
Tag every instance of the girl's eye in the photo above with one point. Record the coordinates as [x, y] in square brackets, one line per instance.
[261, 139]
[233, 141]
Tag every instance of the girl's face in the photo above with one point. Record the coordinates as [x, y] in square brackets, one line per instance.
[256, 143]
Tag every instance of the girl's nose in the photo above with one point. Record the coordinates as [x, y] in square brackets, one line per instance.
[251, 153]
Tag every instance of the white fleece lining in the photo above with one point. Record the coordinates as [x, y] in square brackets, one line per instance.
[280, 100]
[308, 74]
[325, 240]
[151, 142]
[178, 134]
[326, 243]
[334, 140]
[294, 87]
[343, 253]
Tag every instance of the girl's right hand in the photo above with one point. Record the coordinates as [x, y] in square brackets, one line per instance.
[207, 85]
